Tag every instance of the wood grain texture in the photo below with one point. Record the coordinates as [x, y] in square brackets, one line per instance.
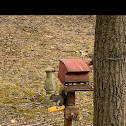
[110, 70]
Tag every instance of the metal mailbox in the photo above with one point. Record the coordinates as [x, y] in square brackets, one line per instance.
[74, 76]
[74, 73]
[73, 70]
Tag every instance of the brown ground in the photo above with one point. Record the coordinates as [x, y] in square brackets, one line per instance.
[29, 44]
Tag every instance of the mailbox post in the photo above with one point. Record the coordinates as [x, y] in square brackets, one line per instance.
[74, 75]
[70, 102]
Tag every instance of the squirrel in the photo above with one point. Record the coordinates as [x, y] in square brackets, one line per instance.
[91, 55]
[60, 99]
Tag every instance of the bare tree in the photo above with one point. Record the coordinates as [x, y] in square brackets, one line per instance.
[110, 71]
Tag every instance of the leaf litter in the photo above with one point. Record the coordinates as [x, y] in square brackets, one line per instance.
[29, 44]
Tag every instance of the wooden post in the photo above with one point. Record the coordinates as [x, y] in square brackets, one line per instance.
[70, 102]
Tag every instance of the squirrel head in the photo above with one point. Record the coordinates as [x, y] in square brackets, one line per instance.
[52, 96]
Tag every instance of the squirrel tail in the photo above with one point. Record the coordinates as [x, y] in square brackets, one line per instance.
[62, 91]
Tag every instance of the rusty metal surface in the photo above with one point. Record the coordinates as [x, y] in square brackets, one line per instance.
[77, 77]
[73, 70]
[75, 65]
[62, 72]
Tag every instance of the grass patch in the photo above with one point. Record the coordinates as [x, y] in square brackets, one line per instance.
[30, 44]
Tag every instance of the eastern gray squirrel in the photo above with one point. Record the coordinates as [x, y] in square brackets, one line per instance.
[60, 99]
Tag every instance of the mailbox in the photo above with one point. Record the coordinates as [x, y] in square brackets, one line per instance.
[74, 73]
[74, 76]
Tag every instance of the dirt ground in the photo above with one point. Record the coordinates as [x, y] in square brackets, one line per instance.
[28, 45]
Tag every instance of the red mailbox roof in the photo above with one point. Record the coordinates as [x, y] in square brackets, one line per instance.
[75, 65]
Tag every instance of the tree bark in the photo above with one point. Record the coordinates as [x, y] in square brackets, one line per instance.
[110, 71]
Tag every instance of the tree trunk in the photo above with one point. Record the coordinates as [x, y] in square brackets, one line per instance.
[110, 71]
